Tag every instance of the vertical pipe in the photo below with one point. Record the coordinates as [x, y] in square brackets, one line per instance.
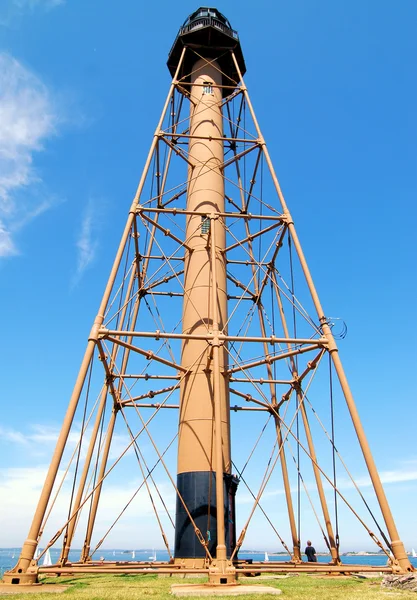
[204, 386]
[221, 553]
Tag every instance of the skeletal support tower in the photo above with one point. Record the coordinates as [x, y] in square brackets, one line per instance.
[203, 367]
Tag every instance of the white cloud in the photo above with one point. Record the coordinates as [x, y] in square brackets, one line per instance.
[398, 476]
[31, 4]
[7, 247]
[406, 472]
[20, 488]
[12, 10]
[11, 435]
[87, 243]
[27, 119]
[40, 440]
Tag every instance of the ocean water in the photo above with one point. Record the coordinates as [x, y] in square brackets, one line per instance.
[9, 557]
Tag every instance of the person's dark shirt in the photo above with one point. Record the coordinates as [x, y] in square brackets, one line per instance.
[311, 554]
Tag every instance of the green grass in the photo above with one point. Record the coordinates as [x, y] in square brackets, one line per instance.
[132, 587]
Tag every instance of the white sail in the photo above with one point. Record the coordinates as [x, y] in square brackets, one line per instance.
[413, 553]
[133, 554]
[153, 557]
[47, 560]
[266, 557]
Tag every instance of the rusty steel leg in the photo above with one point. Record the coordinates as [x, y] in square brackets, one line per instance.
[294, 534]
[332, 541]
[85, 553]
[398, 549]
[20, 573]
[87, 463]
[25, 561]
[81, 486]
[283, 460]
[29, 546]
[397, 545]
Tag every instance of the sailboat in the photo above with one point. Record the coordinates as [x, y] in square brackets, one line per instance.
[153, 557]
[133, 554]
[266, 559]
[37, 554]
[47, 560]
[413, 553]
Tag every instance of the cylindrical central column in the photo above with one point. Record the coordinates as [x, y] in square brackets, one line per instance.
[197, 443]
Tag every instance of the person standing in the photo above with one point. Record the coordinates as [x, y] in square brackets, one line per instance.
[310, 552]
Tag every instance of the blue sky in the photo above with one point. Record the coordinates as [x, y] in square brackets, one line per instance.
[81, 88]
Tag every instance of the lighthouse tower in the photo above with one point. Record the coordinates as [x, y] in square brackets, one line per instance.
[211, 360]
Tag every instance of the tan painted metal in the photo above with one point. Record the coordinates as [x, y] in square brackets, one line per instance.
[206, 195]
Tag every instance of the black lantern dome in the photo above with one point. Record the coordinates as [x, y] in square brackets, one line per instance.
[210, 34]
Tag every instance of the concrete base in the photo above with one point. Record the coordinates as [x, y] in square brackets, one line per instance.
[367, 575]
[401, 582]
[222, 590]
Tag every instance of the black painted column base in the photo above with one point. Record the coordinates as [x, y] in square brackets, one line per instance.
[198, 491]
